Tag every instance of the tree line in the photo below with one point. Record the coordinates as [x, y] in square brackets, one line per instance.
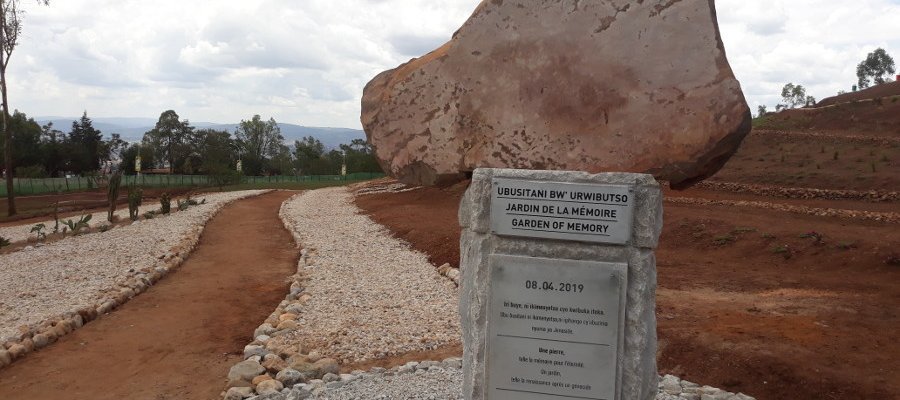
[179, 148]
[876, 69]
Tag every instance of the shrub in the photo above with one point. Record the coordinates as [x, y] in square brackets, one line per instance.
[112, 194]
[135, 198]
[39, 230]
[77, 226]
[165, 202]
[33, 172]
[149, 214]
[4, 242]
[784, 250]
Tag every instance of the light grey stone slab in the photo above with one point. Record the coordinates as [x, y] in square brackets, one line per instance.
[637, 358]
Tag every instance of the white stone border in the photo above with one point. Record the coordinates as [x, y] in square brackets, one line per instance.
[44, 333]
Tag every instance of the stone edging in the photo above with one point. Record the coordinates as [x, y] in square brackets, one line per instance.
[336, 381]
[268, 368]
[47, 332]
[673, 388]
[670, 387]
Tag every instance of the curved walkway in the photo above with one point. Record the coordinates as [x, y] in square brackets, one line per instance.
[178, 339]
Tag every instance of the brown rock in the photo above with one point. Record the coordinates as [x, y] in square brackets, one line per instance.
[287, 317]
[59, 330]
[256, 381]
[598, 86]
[274, 364]
[268, 387]
[41, 340]
[327, 366]
[287, 325]
[28, 344]
[17, 351]
[5, 358]
[238, 383]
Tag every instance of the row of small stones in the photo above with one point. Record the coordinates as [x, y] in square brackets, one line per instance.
[34, 337]
[289, 385]
[300, 388]
[673, 388]
[891, 217]
[275, 366]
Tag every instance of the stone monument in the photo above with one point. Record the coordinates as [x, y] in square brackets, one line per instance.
[592, 85]
[559, 283]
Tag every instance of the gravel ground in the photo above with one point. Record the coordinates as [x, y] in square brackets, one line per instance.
[427, 384]
[370, 295]
[18, 233]
[63, 276]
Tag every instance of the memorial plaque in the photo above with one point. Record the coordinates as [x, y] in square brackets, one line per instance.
[565, 211]
[556, 328]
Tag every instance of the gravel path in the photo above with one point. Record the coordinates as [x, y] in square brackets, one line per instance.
[371, 296]
[18, 233]
[75, 272]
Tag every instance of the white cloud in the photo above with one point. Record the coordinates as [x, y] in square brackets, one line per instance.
[307, 61]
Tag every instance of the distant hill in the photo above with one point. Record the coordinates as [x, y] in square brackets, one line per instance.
[871, 112]
[133, 129]
[885, 90]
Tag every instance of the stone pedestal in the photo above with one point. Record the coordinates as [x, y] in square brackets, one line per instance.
[558, 292]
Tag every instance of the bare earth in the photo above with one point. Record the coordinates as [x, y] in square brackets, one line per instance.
[178, 339]
[744, 302]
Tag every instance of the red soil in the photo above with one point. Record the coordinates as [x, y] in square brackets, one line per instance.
[178, 339]
[815, 321]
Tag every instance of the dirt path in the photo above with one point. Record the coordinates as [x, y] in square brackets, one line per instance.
[177, 340]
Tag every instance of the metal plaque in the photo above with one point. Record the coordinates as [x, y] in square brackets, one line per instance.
[556, 328]
[565, 211]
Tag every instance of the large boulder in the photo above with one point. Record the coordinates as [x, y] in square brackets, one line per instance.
[591, 85]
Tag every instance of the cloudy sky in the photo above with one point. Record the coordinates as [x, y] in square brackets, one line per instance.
[306, 62]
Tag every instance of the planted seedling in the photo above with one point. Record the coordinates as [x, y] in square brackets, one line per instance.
[784, 250]
[77, 226]
[723, 240]
[39, 231]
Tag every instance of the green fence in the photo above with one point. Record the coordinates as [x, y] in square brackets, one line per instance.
[29, 187]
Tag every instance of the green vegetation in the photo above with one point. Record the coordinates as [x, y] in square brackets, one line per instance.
[112, 194]
[783, 250]
[723, 240]
[135, 198]
[165, 202]
[76, 226]
[4, 242]
[39, 231]
[877, 67]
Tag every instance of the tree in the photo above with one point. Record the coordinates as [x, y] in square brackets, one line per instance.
[359, 157]
[170, 139]
[810, 101]
[878, 67]
[217, 152]
[306, 152]
[26, 145]
[761, 111]
[130, 154]
[85, 146]
[53, 142]
[258, 142]
[10, 28]
[793, 96]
